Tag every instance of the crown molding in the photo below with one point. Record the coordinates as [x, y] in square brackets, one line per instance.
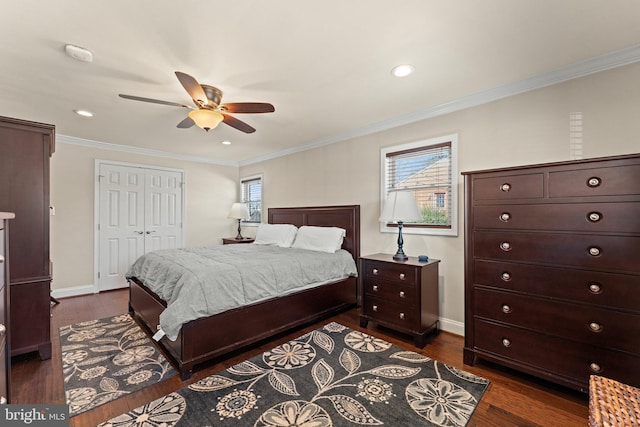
[65, 139]
[598, 64]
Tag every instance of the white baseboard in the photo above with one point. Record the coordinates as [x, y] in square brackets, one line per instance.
[73, 292]
[452, 326]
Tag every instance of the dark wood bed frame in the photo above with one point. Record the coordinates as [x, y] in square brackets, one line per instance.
[208, 338]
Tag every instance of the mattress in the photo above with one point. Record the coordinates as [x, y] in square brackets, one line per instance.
[203, 281]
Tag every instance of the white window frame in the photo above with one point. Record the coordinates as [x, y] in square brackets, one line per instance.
[241, 192]
[432, 231]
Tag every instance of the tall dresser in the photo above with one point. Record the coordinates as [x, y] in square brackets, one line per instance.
[25, 151]
[5, 358]
[552, 269]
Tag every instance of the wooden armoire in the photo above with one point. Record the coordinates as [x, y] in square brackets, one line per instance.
[25, 151]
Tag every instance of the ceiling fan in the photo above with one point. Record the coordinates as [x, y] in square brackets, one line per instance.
[210, 112]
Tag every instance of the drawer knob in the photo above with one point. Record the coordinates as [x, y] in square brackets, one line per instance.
[595, 251]
[594, 181]
[375, 308]
[594, 216]
[402, 294]
[375, 271]
[375, 288]
[506, 309]
[595, 326]
[505, 276]
[402, 316]
[505, 246]
[402, 276]
[1, 259]
[595, 367]
[3, 400]
[595, 288]
[505, 187]
[505, 216]
[506, 342]
[3, 329]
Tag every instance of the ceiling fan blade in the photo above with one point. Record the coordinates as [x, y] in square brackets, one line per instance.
[155, 101]
[238, 124]
[248, 107]
[186, 123]
[193, 88]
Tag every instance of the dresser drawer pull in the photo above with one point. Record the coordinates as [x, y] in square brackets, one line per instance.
[506, 309]
[594, 181]
[402, 276]
[505, 246]
[595, 326]
[595, 367]
[506, 342]
[3, 400]
[505, 187]
[594, 216]
[595, 251]
[402, 294]
[375, 308]
[505, 276]
[505, 216]
[375, 271]
[3, 329]
[375, 288]
[595, 288]
[402, 316]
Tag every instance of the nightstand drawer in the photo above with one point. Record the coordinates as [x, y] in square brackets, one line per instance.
[397, 273]
[398, 293]
[390, 312]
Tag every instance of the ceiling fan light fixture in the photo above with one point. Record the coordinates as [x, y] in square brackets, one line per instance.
[206, 119]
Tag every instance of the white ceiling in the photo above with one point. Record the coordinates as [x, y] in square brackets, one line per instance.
[325, 64]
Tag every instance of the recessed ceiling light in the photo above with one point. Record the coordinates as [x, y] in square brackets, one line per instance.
[226, 142]
[402, 70]
[83, 113]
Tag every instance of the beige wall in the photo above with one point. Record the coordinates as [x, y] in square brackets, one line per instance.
[210, 191]
[529, 128]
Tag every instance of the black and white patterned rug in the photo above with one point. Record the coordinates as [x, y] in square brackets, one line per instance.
[105, 359]
[333, 376]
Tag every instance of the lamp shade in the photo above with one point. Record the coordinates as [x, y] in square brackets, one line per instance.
[239, 211]
[206, 119]
[400, 206]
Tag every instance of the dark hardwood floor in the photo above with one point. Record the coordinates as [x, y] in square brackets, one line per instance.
[513, 399]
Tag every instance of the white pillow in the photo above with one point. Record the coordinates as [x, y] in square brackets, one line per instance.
[324, 239]
[276, 234]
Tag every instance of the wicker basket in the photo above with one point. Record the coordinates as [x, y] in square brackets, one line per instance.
[612, 403]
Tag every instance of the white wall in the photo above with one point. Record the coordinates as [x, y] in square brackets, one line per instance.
[209, 192]
[525, 129]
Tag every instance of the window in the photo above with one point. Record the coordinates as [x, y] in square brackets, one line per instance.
[429, 168]
[251, 195]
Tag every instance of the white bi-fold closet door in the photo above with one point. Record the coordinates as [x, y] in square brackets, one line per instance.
[140, 210]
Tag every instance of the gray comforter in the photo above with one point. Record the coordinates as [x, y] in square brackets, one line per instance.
[199, 282]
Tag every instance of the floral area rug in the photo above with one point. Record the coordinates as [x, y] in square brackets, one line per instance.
[333, 376]
[105, 359]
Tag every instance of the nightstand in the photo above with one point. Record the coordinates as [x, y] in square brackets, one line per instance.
[401, 295]
[233, 240]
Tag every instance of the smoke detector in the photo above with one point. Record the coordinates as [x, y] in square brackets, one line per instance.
[79, 53]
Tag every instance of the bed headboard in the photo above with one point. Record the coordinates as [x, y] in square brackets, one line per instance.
[347, 217]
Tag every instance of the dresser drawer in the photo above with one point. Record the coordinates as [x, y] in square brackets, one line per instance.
[395, 292]
[602, 181]
[553, 356]
[589, 217]
[392, 272]
[616, 291]
[599, 252]
[587, 324]
[385, 311]
[526, 186]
